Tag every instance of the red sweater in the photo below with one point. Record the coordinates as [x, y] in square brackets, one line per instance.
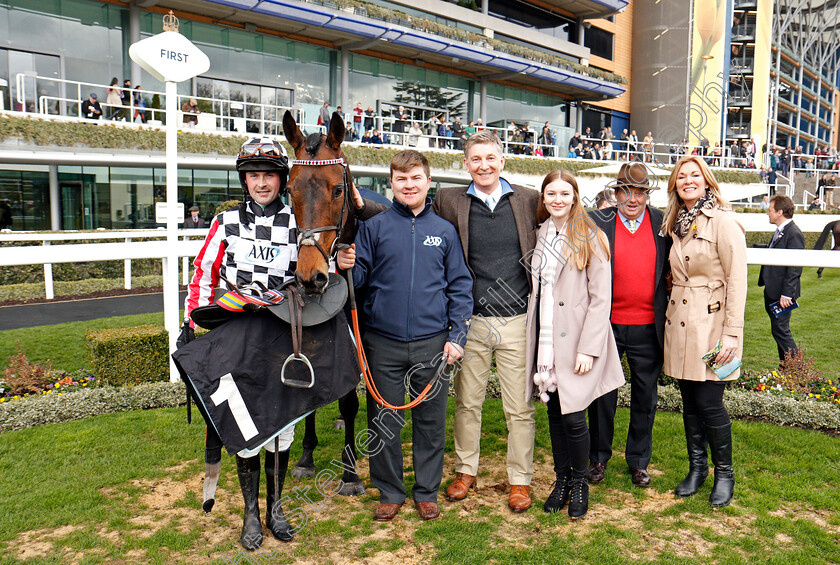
[634, 274]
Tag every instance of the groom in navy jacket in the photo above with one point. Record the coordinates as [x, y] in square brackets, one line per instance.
[418, 301]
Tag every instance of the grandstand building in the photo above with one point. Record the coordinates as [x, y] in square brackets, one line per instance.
[565, 62]
[737, 70]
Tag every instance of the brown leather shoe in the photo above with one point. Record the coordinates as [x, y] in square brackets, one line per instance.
[597, 471]
[427, 510]
[520, 499]
[460, 486]
[641, 478]
[385, 512]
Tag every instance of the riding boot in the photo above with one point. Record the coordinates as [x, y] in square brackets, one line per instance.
[274, 517]
[720, 442]
[698, 459]
[579, 493]
[248, 470]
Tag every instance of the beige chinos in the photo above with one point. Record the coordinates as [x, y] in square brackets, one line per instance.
[505, 337]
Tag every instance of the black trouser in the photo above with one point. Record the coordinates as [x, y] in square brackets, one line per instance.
[569, 438]
[780, 328]
[395, 364]
[704, 400]
[644, 356]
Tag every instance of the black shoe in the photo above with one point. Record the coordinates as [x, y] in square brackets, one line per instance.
[248, 470]
[720, 442]
[698, 459]
[597, 472]
[578, 496]
[559, 493]
[275, 519]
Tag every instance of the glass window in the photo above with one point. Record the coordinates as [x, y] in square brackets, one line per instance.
[599, 42]
[26, 194]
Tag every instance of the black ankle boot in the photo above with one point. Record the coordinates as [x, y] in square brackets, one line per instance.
[274, 517]
[698, 459]
[578, 494]
[248, 470]
[720, 442]
[559, 493]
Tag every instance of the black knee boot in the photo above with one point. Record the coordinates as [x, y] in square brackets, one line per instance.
[720, 441]
[698, 459]
[274, 517]
[248, 470]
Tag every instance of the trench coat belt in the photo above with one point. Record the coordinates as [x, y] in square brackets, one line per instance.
[710, 285]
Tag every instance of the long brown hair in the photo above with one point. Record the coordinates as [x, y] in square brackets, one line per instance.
[581, 230]
[675, 203]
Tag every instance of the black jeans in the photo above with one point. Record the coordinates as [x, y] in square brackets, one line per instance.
[704, 399]
[569, 438]
[392, 364]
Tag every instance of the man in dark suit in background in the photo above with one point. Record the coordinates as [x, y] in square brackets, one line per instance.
[781, 284]
[639, 257]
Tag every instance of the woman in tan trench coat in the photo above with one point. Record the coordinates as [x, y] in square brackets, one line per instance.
[570, 349]
[709, 272]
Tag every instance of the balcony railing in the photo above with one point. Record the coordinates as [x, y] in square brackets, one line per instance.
[739, 98]
[742, 65]
[743, 32]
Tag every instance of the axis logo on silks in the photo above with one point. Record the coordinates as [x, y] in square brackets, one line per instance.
[256, 253]
[432, 241]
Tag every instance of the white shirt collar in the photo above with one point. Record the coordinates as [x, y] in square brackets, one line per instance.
[783, 224]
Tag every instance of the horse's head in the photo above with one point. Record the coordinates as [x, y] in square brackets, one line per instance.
[321, 199]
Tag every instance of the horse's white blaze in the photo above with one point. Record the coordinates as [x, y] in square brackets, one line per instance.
[229, 392]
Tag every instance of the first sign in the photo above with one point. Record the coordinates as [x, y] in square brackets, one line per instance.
[169, 56]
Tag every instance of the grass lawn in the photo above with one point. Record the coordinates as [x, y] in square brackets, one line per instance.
[126, 488]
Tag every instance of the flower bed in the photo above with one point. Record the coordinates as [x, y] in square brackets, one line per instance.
[59, 383]
[819, 389]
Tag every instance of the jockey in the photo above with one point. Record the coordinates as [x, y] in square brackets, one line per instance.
[253, 243]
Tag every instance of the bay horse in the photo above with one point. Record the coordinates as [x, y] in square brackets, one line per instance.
[320, 190]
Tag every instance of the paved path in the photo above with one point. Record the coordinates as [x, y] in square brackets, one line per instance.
[48, 313]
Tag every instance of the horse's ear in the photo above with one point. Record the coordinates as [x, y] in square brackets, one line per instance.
[335, 135]
[292, 131]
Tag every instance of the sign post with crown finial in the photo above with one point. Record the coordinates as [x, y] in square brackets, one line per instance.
[171, 58]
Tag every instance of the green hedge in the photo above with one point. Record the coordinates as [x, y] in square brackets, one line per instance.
[30, 291]
[123, 356]
[52, 408]
[47, 409]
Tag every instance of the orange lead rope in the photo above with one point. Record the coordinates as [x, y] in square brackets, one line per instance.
[360, 351]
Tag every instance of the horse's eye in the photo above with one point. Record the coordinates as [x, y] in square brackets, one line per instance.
[338, 191]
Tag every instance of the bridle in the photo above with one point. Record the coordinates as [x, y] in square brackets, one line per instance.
[306, 236]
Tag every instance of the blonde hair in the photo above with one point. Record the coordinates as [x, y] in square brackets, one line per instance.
[483, 136]
[581, 230]
[675, 203]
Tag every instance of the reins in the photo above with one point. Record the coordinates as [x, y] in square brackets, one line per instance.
[307, 237]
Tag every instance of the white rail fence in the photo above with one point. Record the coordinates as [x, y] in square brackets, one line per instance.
[190, 241]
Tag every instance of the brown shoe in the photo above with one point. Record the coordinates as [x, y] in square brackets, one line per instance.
[641, 478]
[597, 471]
[460, 486]
[520, 499]
[427, 510]
[385, 512]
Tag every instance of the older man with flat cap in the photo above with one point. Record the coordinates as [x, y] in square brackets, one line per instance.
[639, 257]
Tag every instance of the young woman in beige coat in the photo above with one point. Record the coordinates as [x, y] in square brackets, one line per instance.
[709, 272]
[570, 349]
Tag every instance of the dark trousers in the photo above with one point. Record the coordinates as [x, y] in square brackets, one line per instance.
[394, 366]
[704, 400]
[569, 438]
[644, 356]
[780, 328]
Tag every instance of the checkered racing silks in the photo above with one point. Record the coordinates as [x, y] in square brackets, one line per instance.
[263, 251]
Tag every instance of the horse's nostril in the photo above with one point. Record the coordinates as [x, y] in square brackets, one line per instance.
[319, 280]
